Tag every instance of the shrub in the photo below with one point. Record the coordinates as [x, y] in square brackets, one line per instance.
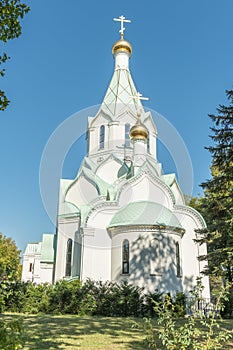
[188, 336]
[12, 335]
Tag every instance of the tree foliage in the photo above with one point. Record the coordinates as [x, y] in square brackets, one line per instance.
[11, 12]
[217, 204]
[10, 268]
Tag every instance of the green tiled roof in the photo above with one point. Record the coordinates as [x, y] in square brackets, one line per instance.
[145, 213]
[47, 249]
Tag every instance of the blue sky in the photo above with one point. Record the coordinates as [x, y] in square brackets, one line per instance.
[182, 59]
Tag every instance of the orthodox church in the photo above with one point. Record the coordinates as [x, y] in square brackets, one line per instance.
[121, 218]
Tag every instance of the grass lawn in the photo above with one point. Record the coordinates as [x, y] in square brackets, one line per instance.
[75, 332]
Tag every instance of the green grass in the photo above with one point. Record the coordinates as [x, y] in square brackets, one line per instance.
[75, 332]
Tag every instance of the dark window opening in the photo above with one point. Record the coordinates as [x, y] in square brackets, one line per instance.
[127, 137]
[30, 267]
[178, 269]
[68, 257]
[102, 136]
[148, 144]
[125, 257]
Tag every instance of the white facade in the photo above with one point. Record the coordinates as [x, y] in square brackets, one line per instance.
[121, 217]
[38, 261]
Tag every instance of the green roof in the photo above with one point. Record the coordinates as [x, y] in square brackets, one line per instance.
[67, 209]
[47, 248]
[145, 213]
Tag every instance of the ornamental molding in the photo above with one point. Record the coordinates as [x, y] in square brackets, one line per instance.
[155, 180]
[110, 156]
[102, 205]
[191, 212]
[68, 219]
[115, 230]
[103, 114]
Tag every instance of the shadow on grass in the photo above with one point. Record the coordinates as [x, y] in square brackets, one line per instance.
[74, 332]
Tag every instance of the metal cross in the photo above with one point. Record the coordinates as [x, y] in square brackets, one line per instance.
[122, 20]
[139, 97]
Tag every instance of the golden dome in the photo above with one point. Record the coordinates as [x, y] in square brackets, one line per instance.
[122, 45]
[138, 132]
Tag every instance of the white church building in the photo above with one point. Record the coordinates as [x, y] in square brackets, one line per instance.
[121, 218]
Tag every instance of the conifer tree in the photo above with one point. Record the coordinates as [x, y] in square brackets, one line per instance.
[217, 204]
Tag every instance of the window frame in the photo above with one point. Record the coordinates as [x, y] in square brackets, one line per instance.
[69, 249]
[102, 137]
[125, 257]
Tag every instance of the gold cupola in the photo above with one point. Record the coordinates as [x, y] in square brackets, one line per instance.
[138, 131]
[122, 45]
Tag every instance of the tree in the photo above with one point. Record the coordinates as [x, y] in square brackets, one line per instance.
[11, 11]
[10, 268]
[217, 204]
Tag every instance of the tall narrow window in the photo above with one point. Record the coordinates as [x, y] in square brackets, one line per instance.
[102, 136]
[68, 257]
[178, 270]
[87, 140]
[127, 138]
[125, 256]
[148, 144]
[30, 267]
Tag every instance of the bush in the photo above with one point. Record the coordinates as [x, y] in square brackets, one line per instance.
[189, 335]
[149, 303]
[12, 335]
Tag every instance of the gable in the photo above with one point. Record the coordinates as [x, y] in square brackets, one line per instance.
[108, 170]
[81, 192]
[145, 188]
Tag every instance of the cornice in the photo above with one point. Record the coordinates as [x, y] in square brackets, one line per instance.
[113, 231]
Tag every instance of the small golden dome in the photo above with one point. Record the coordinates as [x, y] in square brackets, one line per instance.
[122, 45]
[138, 132]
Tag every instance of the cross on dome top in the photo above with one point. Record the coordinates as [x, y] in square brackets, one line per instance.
[122, 19]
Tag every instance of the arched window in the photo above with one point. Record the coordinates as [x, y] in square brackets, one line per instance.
[127, 138]
[68, 257]
[148, 144]
[178, 270]
[155, 257]
[102, 136]
[125, 256]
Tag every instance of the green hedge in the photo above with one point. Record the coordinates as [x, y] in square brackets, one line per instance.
[89, 298]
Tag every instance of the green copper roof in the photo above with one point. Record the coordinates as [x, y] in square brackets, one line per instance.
[47, 249]
[67, 208]
[119, 94]
[145, 213]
